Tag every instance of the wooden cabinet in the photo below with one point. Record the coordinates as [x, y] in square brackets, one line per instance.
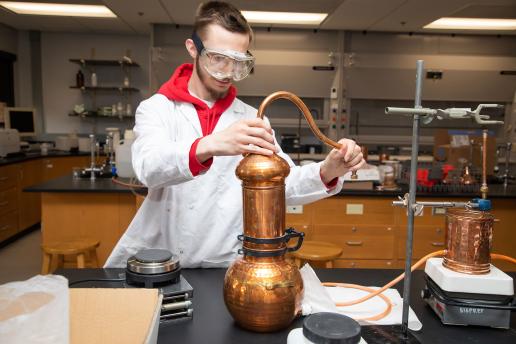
[20, 210]
[359, 241]
[8, 201]
[8, 225]
[427, 239]
[372, 233]
[29, 202]
[8, 176]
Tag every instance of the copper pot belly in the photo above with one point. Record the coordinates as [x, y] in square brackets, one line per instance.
[469, 236]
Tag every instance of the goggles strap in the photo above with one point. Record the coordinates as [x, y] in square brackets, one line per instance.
[197, 42]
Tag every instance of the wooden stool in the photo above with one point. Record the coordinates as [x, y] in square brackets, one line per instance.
[57, 251]
[317, 251]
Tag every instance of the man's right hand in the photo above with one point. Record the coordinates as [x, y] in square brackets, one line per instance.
[245, 136]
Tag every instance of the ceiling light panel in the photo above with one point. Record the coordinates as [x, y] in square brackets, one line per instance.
[296, 18]
[472, 24]
[52, 9]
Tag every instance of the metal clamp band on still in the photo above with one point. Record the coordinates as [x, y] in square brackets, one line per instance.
[289, 233]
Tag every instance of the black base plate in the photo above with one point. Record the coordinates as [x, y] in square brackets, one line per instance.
[152, 281]
[387, 334]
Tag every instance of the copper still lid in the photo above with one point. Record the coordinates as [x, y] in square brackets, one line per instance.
[261, 168]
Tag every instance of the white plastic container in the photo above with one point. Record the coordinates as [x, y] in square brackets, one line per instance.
[84, 144]
[63, 143]
[123, 157]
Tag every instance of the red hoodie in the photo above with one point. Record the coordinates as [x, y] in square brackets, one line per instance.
[177, 89]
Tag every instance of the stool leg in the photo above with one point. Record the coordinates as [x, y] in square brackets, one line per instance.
[329, 264]
[94, 258]
[80, 260]
[60, 261]
[54, 262]
[45, 267]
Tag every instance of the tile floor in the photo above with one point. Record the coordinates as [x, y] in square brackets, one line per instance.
[21, 259]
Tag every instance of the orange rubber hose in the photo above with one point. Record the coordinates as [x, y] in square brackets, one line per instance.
[385, 287]
[497, 256]
[371, 290]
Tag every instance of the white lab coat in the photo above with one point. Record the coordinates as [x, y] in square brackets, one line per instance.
[197, 218]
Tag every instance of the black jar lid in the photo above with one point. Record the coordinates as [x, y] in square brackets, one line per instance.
[331, 328]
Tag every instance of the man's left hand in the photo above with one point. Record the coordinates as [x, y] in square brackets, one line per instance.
[338, 162]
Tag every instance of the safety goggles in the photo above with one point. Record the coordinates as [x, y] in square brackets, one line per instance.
[224, 64]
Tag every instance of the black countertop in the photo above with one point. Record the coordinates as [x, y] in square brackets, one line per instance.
[213, 324]
[495, 191]
[37, 155]
[68, 184]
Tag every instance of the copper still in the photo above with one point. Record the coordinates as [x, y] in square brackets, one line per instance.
[262, 290]
[469, 235]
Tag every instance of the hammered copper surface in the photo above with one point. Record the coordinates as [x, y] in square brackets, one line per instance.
[263, 294]
[469, 235]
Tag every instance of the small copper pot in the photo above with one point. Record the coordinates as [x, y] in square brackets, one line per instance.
[469, 236]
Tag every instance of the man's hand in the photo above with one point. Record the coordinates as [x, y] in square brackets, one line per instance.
[339, 162]
[245, 136]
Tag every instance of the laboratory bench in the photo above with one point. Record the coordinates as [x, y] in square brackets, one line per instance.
[363, 222]
[213, 324]
[20, 211]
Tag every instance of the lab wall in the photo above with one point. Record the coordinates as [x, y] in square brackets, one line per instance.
[379, 72]
[58, 74]
[8, 39]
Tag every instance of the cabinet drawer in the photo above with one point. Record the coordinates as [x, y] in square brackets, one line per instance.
[364, 263]
[8, 176]
[426, 239]
[358, 242]
[349, 210]
[8, 200]
[8, 225]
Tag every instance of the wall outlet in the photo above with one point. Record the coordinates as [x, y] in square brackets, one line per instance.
[294, 209]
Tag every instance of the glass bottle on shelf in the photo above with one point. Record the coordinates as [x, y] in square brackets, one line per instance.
[79, 79]
[93, 79]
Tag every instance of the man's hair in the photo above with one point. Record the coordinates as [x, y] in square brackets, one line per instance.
[221, 13]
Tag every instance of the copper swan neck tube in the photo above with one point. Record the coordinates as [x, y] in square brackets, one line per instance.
[308, 116]
[301, 106]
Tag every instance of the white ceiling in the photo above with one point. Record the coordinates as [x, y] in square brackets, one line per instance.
[136, 16]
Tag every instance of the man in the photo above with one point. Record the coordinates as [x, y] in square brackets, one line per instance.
[189, 139]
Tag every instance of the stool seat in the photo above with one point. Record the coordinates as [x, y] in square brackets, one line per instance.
[70, 247]
[317, 251]
[55, 252]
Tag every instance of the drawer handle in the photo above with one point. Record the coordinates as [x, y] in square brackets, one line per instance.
[2, 204]
[354, 243]
[2, 179]
[4, 228]
[438, 244]
[353, 229]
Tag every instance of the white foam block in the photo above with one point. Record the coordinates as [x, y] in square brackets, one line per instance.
[496, 282]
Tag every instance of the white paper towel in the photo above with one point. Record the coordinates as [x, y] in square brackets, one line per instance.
[318, 298]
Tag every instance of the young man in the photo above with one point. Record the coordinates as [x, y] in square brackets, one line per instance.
[190, 137]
